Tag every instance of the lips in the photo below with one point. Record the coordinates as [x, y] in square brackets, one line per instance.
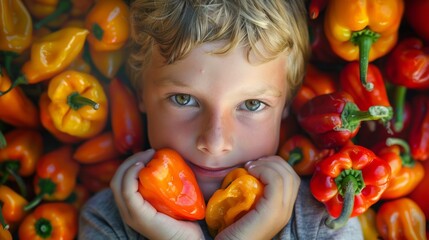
[210, 172]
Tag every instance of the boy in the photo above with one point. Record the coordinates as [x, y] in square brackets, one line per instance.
[214, 78]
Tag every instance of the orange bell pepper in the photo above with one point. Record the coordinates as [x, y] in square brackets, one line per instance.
[363, 30]
[15, 30]
[5, 233]
[11, 206]
[48, 124]
[79, 105]
[50, 221]
[127, 122]
[50, 55]
[238, 194]
[302, 154]
[16, 108]
[55, 177]
[20, 156]
[406, 173]
[401, 218]
[97, 149]
[170, 186]
[108, 24]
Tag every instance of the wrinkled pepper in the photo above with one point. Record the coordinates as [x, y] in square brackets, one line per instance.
[349, 182]
[363, 30]
[19, 158]
[97, 149]
[333, 119]
[50, 221]
[416, 15]
[401, 218]
[368, 225]
[78, 104]
[419, 194]
[108, 24]
[406, 173]
[315, 83]
[50, 55]
[419, 132]
[408, 64]
[170, 186]
[302, 154]
[11, 206]
[12, 106]
[127, 122]
[16, 30]
[55, 176]
[48, 124]
[239, 194]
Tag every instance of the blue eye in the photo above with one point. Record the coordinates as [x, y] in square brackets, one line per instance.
[253, 105]
[183, 100]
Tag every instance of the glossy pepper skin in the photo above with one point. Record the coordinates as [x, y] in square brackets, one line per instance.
[239, 193]
[333, 119]
[302, 154]
[349, 182]
[16, 29]
[50, 221]
[406, 173]
[50, 55]
[108, 63]
[97, 149]
[419, 132]
[363, 30]
[408, 64]
[12, 205]
[170, 186]
[416, 15]
[419, 194]
[13, 103]
[127, 122]
[79, 105]
[108, 24]
[55, 176]
[368, 224]
[401, 218]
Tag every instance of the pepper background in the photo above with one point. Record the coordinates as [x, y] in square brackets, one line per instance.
[30, 46]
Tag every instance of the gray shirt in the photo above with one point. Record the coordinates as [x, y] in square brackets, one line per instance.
[100, 219]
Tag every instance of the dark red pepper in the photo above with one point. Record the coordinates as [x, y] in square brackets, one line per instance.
[419, 132]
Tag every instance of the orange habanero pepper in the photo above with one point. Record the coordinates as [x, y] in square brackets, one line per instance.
[108, 24]
[238, 195]
[11, 206]
[55, 177]
[363, 30]
[401, 218]
[50, 221]
[50, 55]
[79, 106]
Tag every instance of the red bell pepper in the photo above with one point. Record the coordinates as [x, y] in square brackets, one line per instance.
[349, 182]
[419, 132]
[406, 173]
[420, 192]
[408, 64]
[333, 119]
[169, 184]
[416, 14]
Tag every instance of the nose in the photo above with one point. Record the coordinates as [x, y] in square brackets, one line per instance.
[216, 133]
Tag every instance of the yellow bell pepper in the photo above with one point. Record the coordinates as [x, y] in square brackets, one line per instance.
[363, 30]
[239, 194]
[368, 225]
[79, 105]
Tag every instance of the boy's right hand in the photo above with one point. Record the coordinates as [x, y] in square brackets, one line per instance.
[140, 214]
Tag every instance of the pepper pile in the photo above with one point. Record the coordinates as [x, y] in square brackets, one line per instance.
[358, 127]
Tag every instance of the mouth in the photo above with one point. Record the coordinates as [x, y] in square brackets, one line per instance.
[201, 171]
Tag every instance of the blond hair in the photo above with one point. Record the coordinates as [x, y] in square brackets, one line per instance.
[268, 28]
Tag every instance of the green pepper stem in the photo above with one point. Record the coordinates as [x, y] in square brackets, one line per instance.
[43, 228]
[97, 31]
[364, 39]
[63, 6]
[295, 156]
[349, 185]
[8, 57]
[18, 81]
[2, 220]
[76, 101]
[406, 158]
[47, 187]
[3, 142]
[351, 116]
[399, 104]
[19, 181]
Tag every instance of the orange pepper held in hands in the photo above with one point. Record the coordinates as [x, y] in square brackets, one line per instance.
[170, 186]
[108, 23]
[238, 194]
[79, 105]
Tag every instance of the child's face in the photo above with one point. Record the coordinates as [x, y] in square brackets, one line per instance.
[217, 111]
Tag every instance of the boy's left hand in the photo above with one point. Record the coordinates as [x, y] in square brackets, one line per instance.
[274, 208]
